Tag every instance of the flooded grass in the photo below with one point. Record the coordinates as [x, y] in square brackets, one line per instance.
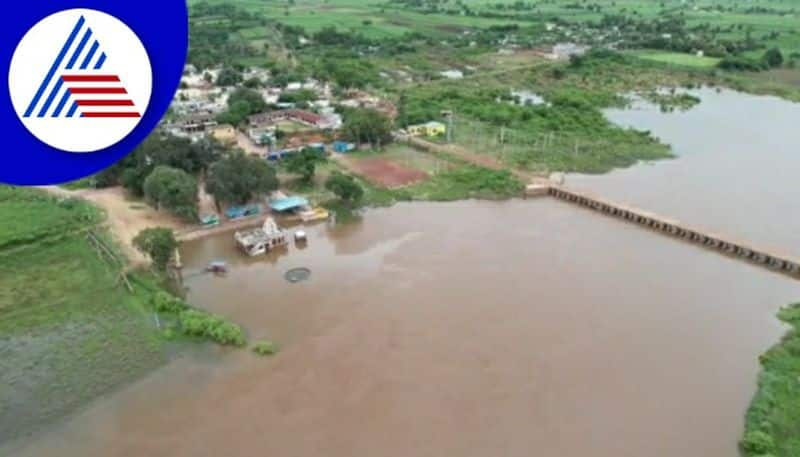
[69, 331]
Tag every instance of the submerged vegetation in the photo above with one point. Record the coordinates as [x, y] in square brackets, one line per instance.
[468, 182]
[265, 348]
[69, 330]
[772, 426]
[194, 322]
[71, 327]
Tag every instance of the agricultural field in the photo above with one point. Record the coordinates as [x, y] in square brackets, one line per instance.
[69, 331]
[30, 216]
[678, 59]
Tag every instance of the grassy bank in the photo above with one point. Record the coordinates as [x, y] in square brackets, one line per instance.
[566, 130]
[772, 426]
[69, 331]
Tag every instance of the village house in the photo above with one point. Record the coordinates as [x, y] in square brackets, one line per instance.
[562, 51]
[361, 99]
[196, 123]
[269, 119]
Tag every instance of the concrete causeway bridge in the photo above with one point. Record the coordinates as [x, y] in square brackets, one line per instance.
[773, 261]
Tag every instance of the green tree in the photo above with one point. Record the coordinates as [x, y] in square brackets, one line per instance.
[304, 163]
[773, 58]
[240, 178]
[160, 149]
[242, 103]
[173, 189]
[228, 77]
[157, 243]
[366, 125]
[345, 187]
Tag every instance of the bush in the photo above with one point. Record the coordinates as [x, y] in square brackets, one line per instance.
[167, 303]
[469, 182]
[158, 243]
[265, 348]
[741, 64]
[344, 186]
[757, 443]
[206, 325]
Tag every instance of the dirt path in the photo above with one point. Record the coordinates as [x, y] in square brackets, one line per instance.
[247, 145]
[126, 217]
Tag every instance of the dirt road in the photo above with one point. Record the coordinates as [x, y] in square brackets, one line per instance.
[126, 217]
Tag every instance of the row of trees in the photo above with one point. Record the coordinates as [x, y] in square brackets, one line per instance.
[772, 58]
[166, 171]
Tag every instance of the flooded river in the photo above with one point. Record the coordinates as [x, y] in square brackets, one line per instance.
[739, 160]
[491, 329]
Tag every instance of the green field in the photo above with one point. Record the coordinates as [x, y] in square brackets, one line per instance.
[30, 216]
[679, 59]
[69, 331]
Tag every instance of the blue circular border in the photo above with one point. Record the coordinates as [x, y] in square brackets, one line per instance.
[163, 28]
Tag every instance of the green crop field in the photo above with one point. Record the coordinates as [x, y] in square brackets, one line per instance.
[676, 58]
[30, 216]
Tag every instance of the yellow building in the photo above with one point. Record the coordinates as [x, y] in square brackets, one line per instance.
[224, 133]
[432, 128]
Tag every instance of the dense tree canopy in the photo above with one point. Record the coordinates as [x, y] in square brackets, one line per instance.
[344, 186]
[228, 77]
[346, 70]
[304, 163]
[172, 189]
[773, 57]
[157, 243]
[242, 103]
[160, 149]
[240, 178]
[365, 125]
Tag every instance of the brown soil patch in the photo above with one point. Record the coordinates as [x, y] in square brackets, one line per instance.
[386, 173]
[125, 217]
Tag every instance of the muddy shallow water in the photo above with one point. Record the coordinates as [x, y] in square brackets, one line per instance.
[475, 329]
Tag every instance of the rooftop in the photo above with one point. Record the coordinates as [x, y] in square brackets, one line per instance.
[284, 204]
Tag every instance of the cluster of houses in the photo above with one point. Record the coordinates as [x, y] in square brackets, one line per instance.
[284, 129]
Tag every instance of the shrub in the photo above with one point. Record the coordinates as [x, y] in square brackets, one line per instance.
[167, 303]
[158, 243]
[344, 186]
[738, 63]
[757, 443]
[206, 325]
[265, 348]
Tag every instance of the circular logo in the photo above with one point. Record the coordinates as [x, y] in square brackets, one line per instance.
[80, 80]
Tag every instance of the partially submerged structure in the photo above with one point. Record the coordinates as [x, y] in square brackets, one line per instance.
[261, 240]
[298, 206]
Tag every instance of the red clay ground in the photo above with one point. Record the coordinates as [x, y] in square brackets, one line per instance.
[386, 173]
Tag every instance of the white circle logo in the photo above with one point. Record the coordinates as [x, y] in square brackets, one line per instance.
[80, 80]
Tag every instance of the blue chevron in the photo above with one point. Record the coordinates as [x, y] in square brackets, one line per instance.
[89, 56]
[54, 67]
[100, 61]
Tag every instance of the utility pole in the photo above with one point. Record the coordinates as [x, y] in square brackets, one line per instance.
[449, 116]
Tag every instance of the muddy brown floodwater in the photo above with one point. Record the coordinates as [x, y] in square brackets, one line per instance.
[463, 329]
